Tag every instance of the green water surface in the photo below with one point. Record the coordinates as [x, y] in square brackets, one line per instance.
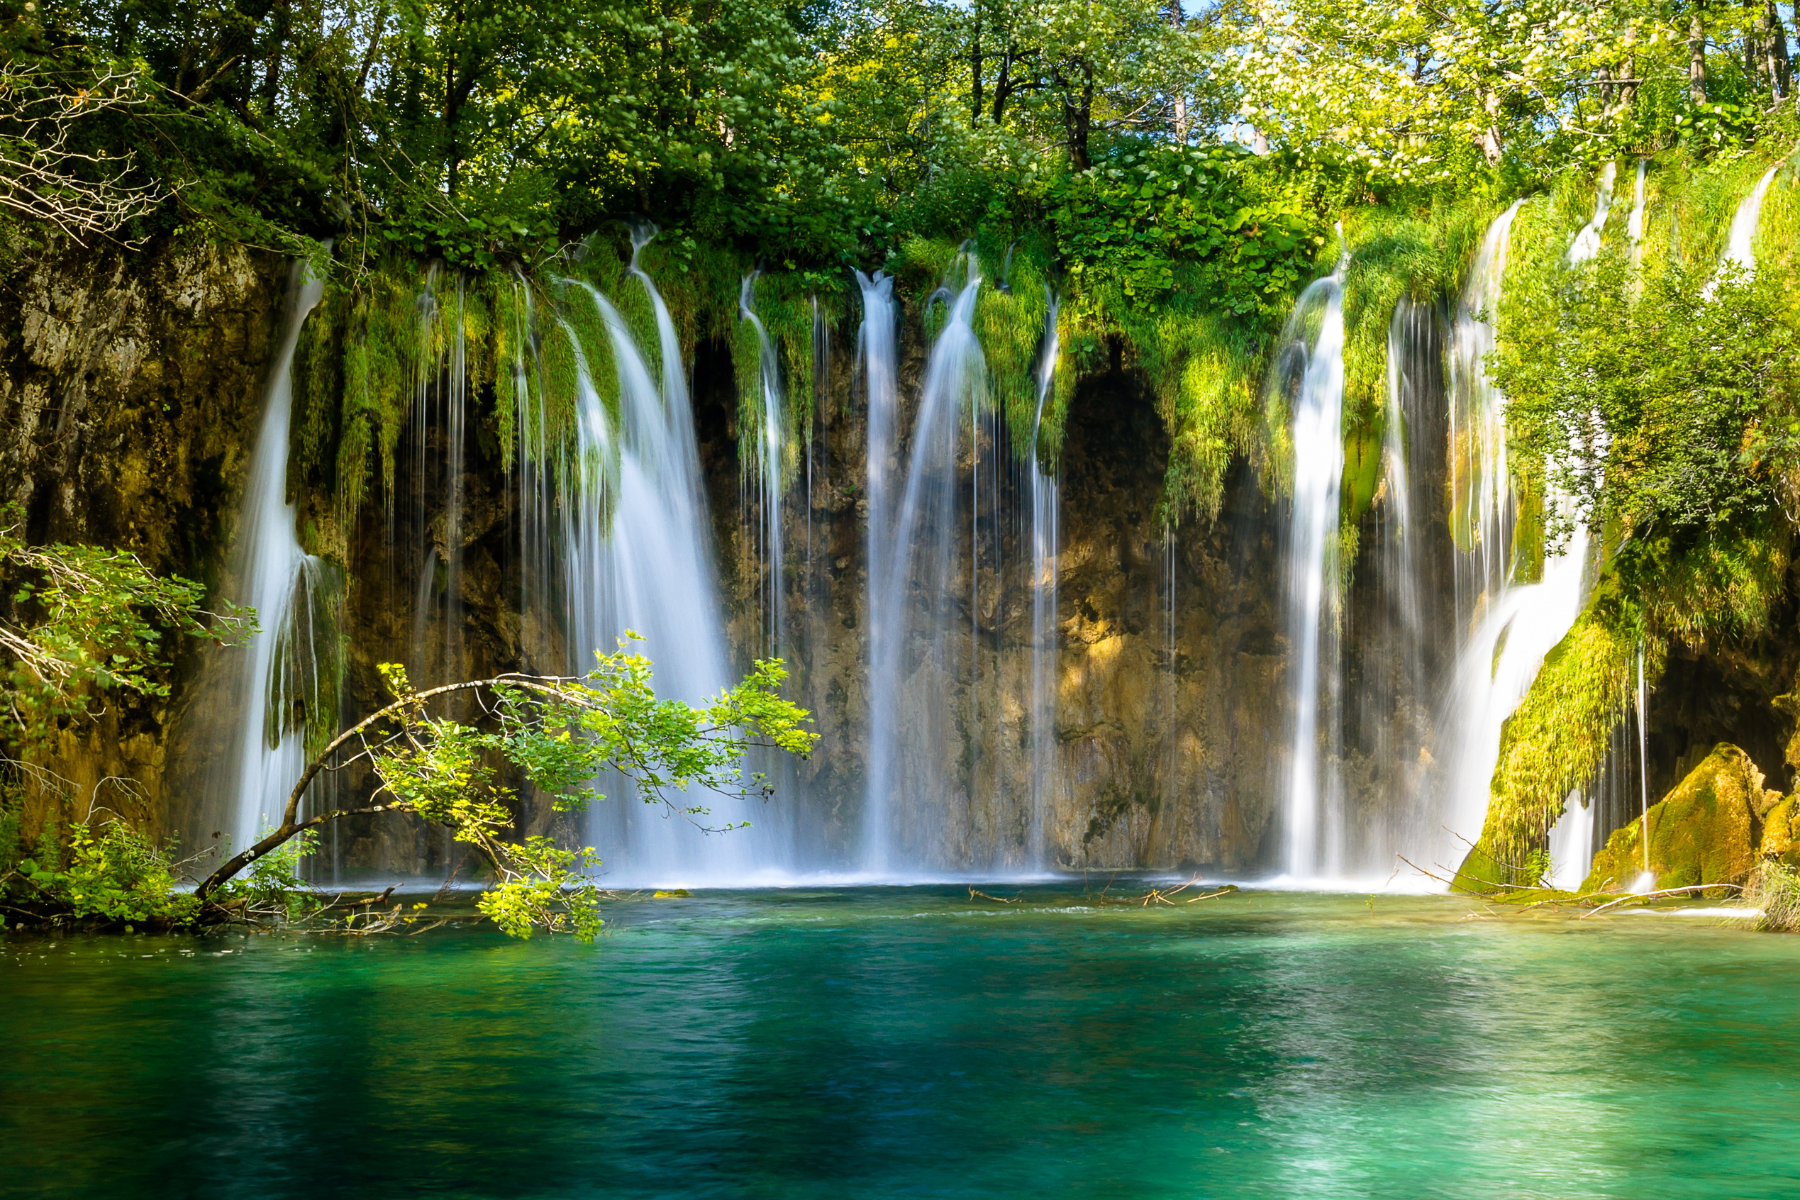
[914, 1042]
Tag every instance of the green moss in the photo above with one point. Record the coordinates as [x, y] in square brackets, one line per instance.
[1363, 461]
[1704, 831]
[1010, 327]
[1556, 738]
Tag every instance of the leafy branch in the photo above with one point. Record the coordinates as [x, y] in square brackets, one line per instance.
[557, 734]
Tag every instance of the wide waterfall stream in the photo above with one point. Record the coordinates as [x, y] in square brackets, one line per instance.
[1399, 672]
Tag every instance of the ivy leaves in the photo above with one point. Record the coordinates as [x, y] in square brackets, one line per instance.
[1140, 217]
[1664, 401]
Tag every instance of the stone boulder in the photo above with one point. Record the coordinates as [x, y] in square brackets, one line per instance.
[1708, 830]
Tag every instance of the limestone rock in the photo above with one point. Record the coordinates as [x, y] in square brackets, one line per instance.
[1781, 832]
[1708, 829]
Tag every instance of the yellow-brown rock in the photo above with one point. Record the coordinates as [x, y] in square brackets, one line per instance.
[1708, 830]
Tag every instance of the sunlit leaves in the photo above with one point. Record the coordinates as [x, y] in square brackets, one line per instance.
[558, 736]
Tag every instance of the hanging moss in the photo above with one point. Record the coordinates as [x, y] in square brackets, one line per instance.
[1010, 326]
[1556, 738]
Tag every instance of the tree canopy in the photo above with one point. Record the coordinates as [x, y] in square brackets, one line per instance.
[484, 131]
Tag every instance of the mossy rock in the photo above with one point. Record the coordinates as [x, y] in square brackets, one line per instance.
[1705, 831]
[1482, 874]
[1781, 832]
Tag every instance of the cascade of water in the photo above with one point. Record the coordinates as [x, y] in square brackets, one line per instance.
[275, 676]
[1045, 509]
[1634, 225]
[1481, 512]
[1647, 880]
[536, 528]
[1740, 248]
[1587, 242]
[1309, 373]
[877, 357]
[1512, 622]
[1393, 661]
[1572, 842]
[439, 426]
[912, 595]
[647, 566]
[771, 445]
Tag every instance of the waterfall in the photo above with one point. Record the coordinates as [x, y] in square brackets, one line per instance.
[1512, 623]
[1587, 242]
[1740, 247]
[878, 357]
[1398, 626]
[440, 406]
[1045, 508]
[771, 445]
[646, 565]
[275, 676]
[1646, 881]
[1309, 372]
[1572, 843]
[1634, 225]
[914, 558]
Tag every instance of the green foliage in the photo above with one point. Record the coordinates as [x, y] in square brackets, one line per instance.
[83, 622]
[1659, 399]
[1774, 888]
[556, 736]
[112, 876]
[273, 885]
[1137, 218]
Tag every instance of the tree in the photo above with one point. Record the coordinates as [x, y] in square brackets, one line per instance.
[83, 622]
[555, 735]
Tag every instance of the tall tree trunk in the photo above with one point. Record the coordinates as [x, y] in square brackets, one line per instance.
[278, 36]
[1776, 66]
[1492, 146]
[1696, 54]
[368, 62]
[1078, 115]
[1628, 88]
[1003, 85]
[975, 104]
[1176, 20]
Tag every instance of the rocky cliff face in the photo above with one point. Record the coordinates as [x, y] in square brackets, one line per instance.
[131, 392]
[1166, 668]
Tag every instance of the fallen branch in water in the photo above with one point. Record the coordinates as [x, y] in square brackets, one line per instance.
[1569, 899]
[1421, 870]
[1676, 891]
[974, 893]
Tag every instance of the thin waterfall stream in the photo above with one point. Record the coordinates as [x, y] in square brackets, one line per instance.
[275, 676]
[1045, 505]
[912, 594]
[766, 467]
[1310, 373]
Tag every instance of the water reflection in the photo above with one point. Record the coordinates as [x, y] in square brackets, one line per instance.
[881, 1042]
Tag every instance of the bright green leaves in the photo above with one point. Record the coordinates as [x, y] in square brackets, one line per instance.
[85, 621]
[1655, 400]
[114, 875]
[1139, 219]
[557, 736]
[546, 888]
